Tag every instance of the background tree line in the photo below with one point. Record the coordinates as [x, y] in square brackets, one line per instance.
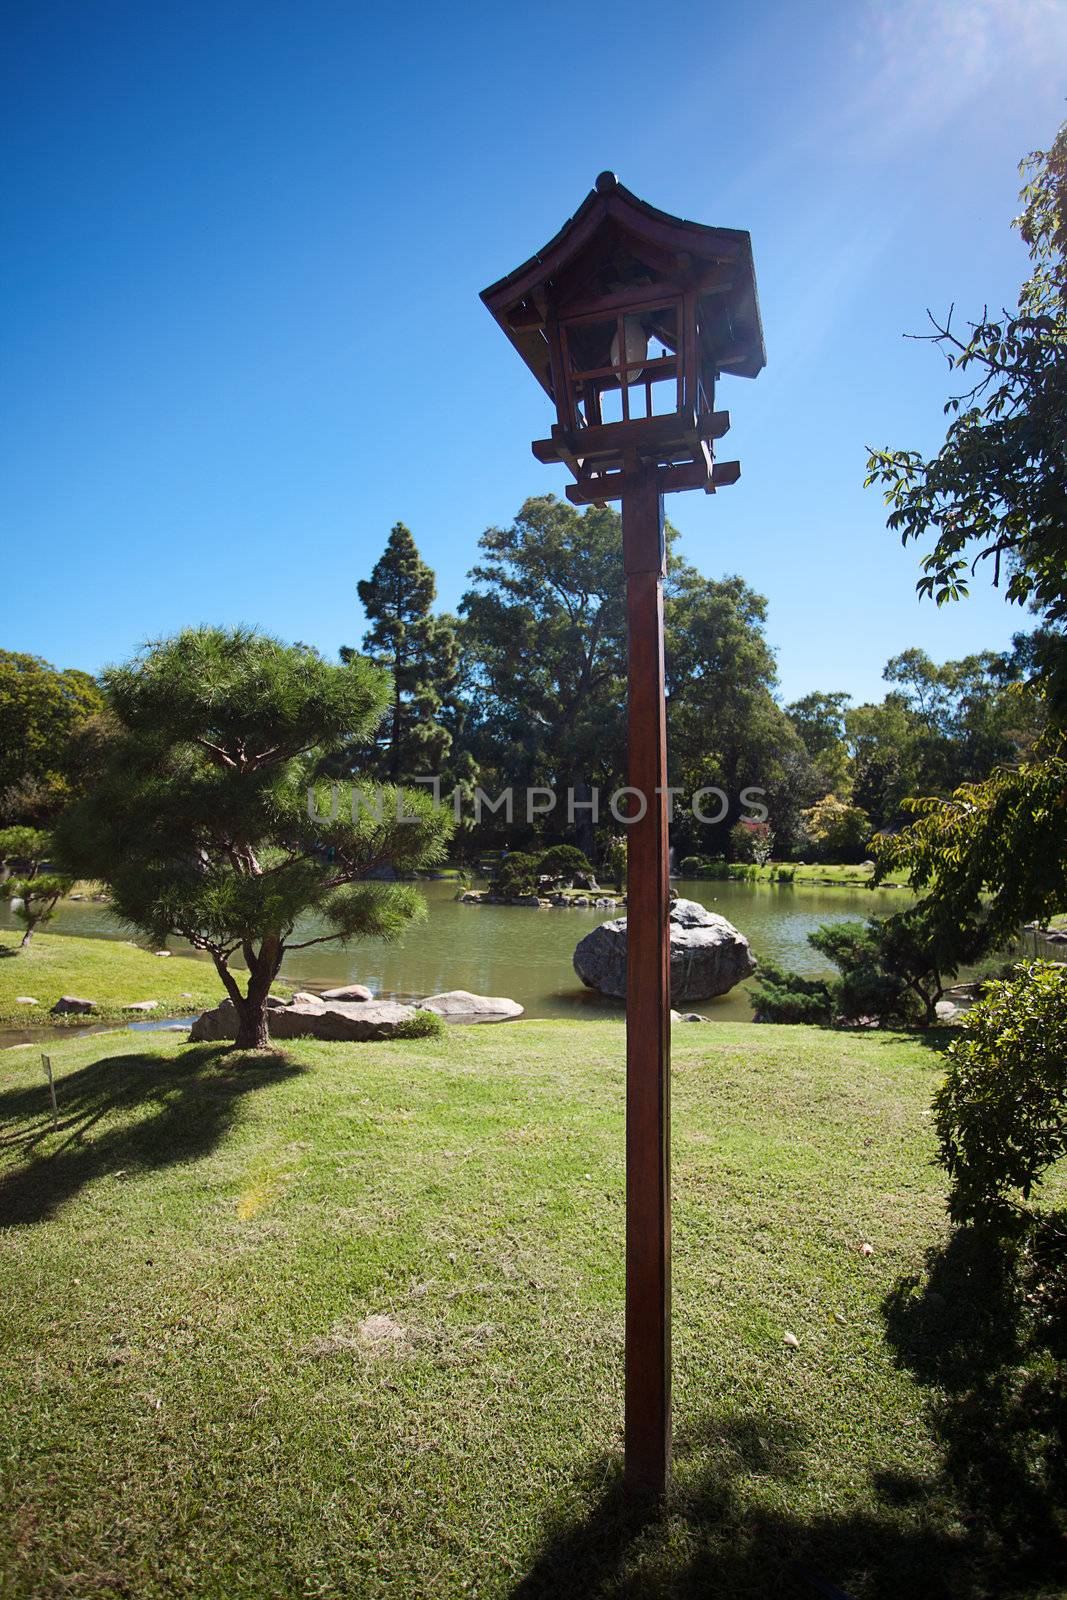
[526, 686]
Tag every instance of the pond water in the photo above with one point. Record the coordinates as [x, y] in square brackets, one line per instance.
[526, 954]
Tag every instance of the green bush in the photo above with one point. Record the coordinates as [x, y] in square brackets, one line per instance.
[517, 873]
[423, 1025]
[781, 996]
[564, 861]
[692, 866]
[1001, 1114]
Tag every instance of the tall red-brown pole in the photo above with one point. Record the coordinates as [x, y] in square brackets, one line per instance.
[648, 1032]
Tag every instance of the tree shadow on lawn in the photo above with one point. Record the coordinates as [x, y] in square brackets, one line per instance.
[191, 1101]
[988, 1521]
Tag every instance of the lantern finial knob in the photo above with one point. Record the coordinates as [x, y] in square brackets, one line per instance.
[606, 182]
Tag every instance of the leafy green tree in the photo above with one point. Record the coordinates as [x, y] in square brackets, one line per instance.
[564, 861]
[995, 493]
[201, 823]
[892, 969]
[543, 630]
[544, 635]
[993, 855]
[751, 841]
[819, 719]
[24, 852]
[724, 728]
[1001, 1114]
[41, 711]
[421, 652]
[837, 831]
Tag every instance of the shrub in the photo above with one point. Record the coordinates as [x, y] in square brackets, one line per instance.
[692, 866]
[751, 841]
[423, 1025]
[516, 873]
[564, 861]
[1001, 1114]
[615, 861]
[837, 831]
[781, 996]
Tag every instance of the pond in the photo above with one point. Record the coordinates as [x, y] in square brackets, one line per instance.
[526, 954]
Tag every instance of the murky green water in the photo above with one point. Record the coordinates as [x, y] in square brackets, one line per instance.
[526, 953]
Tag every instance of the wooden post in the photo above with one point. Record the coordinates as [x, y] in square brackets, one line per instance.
[648, 1033]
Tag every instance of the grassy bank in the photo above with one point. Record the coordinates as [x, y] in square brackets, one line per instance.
[349, 1322]
[109, 971]
[823, 875]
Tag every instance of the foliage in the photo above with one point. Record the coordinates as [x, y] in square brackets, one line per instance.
[516, 873]
[819, 719]
[419, 650]
[24, 852]
[544, 640]
[781, 996]
[1001, 1114]
[994, 492]
[891, 970]
[836, 830]
[423, 1025]
[724, 727]
[41, 710]
[751, 841]
[200, 824]
[994, 854]
[615, 860]
[564, 861]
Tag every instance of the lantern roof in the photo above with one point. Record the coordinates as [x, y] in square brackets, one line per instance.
[617, 248]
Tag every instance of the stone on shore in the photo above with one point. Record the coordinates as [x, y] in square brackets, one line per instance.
[141, 1005]
[348, 991]
[337, 1020]
[459, 1005]
[72, 1005]
[708, 955]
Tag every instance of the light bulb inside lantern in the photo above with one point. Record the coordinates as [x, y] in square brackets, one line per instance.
[636, 348]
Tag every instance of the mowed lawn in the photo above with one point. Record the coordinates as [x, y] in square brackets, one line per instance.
[349, 1323]
[110, 972]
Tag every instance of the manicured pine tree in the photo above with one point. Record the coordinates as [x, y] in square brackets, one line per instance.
[209, 818]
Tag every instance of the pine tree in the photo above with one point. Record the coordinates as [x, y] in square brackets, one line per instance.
[421, 652]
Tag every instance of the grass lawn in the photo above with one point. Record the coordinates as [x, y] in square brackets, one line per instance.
[105, 970]
[348, 1322]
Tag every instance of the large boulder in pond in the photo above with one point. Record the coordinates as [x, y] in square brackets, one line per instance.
[708, 955]
[459, 1005]
[337, 1020]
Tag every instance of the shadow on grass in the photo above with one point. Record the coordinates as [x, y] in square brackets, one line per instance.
[122, 1112]
[717, 1536]
[989, 1521]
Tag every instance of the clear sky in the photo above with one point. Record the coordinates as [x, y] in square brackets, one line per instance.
[243, 244]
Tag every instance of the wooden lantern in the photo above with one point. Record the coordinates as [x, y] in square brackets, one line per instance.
[627, 319]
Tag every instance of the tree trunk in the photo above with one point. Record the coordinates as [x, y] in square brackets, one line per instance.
[27, 936]
[252, 1031]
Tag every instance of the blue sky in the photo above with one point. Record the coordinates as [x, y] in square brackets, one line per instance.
[243, 245]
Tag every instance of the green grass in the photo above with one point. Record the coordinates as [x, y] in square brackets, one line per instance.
[197, 1404]
[108, 971]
